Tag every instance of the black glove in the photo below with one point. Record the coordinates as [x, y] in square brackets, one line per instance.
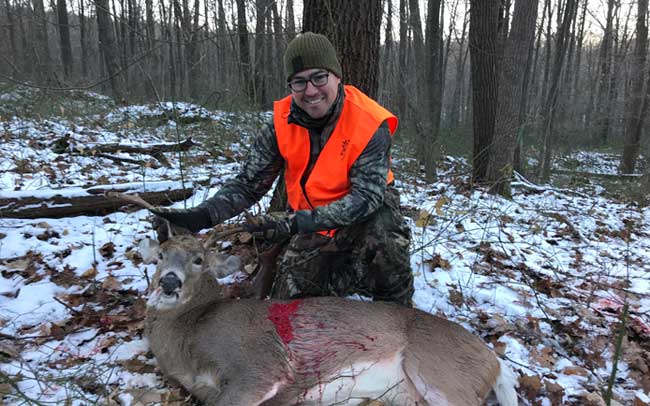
[194, 219]
[272, 227]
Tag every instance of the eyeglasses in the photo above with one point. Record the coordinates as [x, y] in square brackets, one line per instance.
[318, 79]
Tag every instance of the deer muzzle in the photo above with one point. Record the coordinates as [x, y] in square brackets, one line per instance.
[170, 283]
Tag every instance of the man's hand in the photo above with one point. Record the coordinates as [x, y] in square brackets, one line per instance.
[274, 227]
[194, 219]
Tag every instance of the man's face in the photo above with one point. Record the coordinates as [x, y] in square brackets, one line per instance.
[316, 99]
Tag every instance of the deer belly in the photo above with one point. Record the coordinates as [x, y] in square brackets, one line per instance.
[360, 381]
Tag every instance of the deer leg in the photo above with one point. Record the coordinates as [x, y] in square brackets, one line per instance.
[242, 392]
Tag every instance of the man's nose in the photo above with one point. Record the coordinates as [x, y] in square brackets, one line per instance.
[310, 89]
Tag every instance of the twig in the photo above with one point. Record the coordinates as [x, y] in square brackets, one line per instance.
[617, 355]
[67, 306]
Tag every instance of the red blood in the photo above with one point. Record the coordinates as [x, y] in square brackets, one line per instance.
[281, 315]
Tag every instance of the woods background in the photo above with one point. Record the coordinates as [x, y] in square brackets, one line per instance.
[508, 83]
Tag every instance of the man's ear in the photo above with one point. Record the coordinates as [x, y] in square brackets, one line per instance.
[221, 265]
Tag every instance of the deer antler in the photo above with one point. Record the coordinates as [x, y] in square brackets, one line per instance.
[214, 236]
[138, 201]
[133, 199]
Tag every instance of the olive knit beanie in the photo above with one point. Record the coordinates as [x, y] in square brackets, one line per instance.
[309, 51]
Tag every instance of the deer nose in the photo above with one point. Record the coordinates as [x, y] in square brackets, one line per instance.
[169, 283]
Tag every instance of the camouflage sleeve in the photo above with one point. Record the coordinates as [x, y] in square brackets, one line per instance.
[258, 172]
[368, 185]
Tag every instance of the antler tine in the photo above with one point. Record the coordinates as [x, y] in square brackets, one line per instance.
[214, 236]
[133, 199]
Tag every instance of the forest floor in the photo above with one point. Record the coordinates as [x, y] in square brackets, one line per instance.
[543, 278]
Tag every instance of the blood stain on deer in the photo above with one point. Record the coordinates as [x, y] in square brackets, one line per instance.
[281, 315]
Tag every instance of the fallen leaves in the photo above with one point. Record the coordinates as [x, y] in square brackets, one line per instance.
[531, 386]
[544, 357]
[107, 250]
[111, 283]
[437, 261]
[26, 266]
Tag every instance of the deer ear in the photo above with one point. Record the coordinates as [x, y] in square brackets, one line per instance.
[222, 265]
[148, 250]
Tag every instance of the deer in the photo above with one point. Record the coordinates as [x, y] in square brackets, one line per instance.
[229, 351]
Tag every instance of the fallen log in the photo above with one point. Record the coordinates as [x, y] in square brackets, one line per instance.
[68, 145]
[85, 202]
[605, 176]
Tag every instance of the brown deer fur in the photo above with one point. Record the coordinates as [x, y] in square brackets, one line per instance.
[308, 351]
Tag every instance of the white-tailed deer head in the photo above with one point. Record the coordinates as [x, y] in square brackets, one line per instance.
[186, 268]
[315, 351]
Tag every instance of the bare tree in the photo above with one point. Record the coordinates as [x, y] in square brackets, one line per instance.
[636, 100]
[604, 79]
[107, 45]
[83, 39]
[64, 37]
[42, 50]
[459, 75]
[484, 15]
[341, 21]
[263, 9]
[189, 19]
[403, 44]
[244, 49]
[11, 34]
[291, 21]
[549, 108]
[511, 80]
[433, 84]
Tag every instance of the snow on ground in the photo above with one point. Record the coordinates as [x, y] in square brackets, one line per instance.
[542, 278]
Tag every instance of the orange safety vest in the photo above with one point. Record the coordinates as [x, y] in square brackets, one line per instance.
[329, 179]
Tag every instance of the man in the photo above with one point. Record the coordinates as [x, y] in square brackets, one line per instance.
[344, 232]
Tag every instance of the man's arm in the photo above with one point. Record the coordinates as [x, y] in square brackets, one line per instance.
[367, 187]
[255, 178]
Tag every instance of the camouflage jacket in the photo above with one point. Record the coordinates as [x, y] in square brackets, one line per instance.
[264, 163]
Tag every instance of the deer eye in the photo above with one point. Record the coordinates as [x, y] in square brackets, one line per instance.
[197, 261]
[160, 256]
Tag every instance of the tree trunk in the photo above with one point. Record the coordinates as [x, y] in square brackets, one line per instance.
[524, 122]
[64, 37]
[548, 111]
[11, 35]
[453, 109]
[564, 109]
[277, 51]
[83, 39]
[634, 118]
[604, 80]
[107, 45]
[543, 95]
[403, 40]
[244, 50]
[260, 83]
[190, 34]
[511, 80]
[573, 97]
[483, 38]
[354, 28]
[43, 61]
[291, 21]
[434, 89]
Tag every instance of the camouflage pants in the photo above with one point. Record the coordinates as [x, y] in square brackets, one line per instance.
[370, 259]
